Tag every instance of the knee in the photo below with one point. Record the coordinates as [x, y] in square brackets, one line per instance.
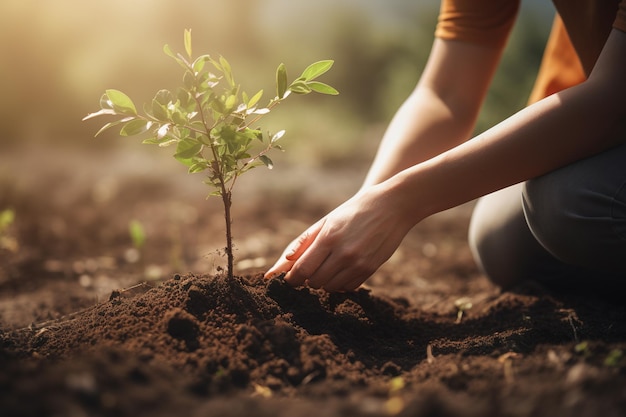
[563, 216]
[499, 238]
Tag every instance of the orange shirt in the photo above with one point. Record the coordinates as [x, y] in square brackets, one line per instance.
[579, 32]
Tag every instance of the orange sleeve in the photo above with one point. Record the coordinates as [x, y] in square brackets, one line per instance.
[620, 19]
[560, 67]
[487, 22]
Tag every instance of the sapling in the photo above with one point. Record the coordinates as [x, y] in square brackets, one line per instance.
[211, 121]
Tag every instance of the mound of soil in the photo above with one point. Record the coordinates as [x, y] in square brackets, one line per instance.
[260, 347]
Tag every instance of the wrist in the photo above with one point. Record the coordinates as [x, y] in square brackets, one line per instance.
[406, 197]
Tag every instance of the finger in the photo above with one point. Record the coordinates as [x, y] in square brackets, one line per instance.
[342, 282]
[307, 265]
[354, 284]
[337, 278]
[281, 266]
[303, 242]
[293, 251]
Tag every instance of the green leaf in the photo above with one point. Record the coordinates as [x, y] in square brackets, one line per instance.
[179, 118]
[168, 52]
[266, 161]
[322, 88]
[198, 64]
[199, 165]
[227, 70]
[187, 148]
[185, 99]
[188, 42]
[316, 69]
[299, 87]
[189, 80]
[135, 127]
[107, 126]
[159, 111]
[217, 105]
[164, 97]
[255, 99]
[121, 102]
[230, 103]
[153, 141]
[281, 81]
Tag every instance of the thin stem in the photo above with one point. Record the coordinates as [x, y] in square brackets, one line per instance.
[270, 106]
[224, 192]
[227, 200]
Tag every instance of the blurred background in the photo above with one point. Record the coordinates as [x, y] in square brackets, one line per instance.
[59, 56]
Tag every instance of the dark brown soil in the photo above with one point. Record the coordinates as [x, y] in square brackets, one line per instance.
[87, 329]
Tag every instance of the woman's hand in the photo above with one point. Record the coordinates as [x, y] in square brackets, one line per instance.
[342, 250]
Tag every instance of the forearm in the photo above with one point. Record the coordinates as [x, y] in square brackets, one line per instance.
[423, 127]
[554, 132]
[441, 111]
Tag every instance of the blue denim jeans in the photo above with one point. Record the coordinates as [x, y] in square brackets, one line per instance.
[565, 228]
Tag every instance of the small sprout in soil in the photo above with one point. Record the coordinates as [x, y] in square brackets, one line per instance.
[211, 121]
[506, 360]
[261, 391]
[137, 234]
[582, 348]
[395, 404]
[614, 358]
[396, 384]
[7, 217]
[462, 304]
[430, 358]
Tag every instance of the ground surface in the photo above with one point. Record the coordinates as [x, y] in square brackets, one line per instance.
[79, 337]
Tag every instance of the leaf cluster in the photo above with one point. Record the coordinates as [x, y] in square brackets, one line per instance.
[209, 119]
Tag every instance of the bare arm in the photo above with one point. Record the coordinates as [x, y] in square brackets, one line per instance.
[441, 111]
[568, 126]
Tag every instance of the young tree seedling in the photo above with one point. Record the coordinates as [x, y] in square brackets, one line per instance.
[211, 121]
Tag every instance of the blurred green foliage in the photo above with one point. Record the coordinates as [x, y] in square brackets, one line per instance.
[59, 55]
